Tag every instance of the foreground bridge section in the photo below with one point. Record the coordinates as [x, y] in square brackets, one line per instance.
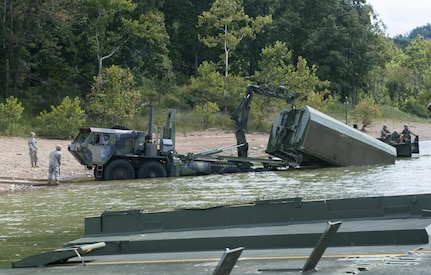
[388, 235]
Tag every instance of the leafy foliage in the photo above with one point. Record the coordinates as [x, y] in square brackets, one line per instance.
[10, 115]
[225, 26]
[207, 113]
[63, 121]
[337, 49]
[103, 17]
[366, 111]
[277, 68]
[147, 49]
[117, 101]
[320, 101]
[207, 87]
[402, 41]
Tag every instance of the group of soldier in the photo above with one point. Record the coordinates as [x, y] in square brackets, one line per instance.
[395, 136]
[54, 158]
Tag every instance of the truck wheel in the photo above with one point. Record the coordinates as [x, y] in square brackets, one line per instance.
[119, 169]
[152, 169]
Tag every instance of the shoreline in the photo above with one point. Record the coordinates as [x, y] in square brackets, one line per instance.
[17, 173]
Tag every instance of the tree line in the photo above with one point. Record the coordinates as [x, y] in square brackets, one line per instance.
[107, 59]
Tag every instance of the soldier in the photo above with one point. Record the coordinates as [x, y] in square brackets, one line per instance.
[54, 164]
[32, 147]
[385, 134]
[406, 133]
[396, 137]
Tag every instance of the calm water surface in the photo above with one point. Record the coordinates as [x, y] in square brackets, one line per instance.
[42, 219]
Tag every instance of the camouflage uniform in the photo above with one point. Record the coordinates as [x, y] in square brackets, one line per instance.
[406, 133]
[385, 133]
[54, 164]
[32, 147]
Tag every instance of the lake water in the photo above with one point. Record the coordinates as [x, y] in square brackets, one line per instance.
[42, 219]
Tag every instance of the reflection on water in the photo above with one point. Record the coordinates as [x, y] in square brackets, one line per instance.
[42, 219]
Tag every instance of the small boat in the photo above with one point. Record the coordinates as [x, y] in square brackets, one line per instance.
[405, 149]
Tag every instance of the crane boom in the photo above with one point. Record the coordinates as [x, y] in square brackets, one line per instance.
[240, 115]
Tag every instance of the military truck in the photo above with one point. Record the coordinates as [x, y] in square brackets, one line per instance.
[119, 154]
[303, 137]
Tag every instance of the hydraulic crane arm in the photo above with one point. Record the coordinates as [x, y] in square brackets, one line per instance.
[240, 115]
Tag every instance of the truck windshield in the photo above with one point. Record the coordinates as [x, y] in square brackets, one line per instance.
[82, 136]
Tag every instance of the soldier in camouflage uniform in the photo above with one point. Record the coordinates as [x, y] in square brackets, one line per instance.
[32, 147]
[406, 133]
[54, 164]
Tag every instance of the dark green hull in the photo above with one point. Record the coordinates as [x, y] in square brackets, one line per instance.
[405, 149]
[287, 223]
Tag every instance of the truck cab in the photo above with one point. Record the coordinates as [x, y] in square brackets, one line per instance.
[121, 154]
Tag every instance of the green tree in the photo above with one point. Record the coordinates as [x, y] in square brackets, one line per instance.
[397, 80]
[366, 110]
[206, 87]
[320, 100]
[34, 48]
[207, 113]
[277, 68]
[106, 20]
[117, 101]
[407, 77]
[387, 78]
[225, 25]
[185, 51]
[10, 115]
[338, 36]
[63, 121]
[147, 52]
[419, 62]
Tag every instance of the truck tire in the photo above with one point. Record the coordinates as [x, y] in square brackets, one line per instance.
[119, 169]
[152, 169]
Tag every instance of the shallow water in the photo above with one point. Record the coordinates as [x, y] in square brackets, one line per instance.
[42, 219]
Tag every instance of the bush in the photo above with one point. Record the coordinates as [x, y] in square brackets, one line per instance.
[118, 100]
[415, 107]
[366, 110]
[207, 113]
[10, 114]
[63, 121]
